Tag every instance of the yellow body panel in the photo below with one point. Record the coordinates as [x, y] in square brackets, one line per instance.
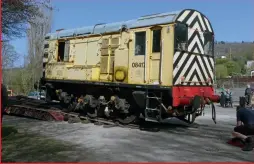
[52, 51]
[168, 54]
[111, 58]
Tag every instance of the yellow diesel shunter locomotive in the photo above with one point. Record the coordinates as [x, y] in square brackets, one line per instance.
[154, 67]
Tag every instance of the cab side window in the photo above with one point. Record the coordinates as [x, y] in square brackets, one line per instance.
[140, 43]
[209, 43]
[63, 51]
[156, 40]
[181, 37]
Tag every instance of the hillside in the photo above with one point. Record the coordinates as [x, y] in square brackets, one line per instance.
[236, 48]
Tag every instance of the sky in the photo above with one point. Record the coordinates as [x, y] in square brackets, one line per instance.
[232, 20]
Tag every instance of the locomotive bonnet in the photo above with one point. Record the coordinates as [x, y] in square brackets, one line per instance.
[154, 67]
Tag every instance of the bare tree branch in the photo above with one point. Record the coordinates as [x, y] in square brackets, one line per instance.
[36, 32]
[9, 55]
[33, 18]
[16, 14]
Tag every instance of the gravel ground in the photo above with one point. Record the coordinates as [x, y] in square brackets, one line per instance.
[204, 142]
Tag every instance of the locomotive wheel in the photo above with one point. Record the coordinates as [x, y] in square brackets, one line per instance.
[91, 106]
[92, 114]
[190, 118]
[127, 119]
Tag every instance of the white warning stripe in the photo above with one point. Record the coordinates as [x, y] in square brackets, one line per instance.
[202, 66]
[187, 65]
[192, 30]
[194, 15]
[212, 61]
[176, 55]
[200, 74]
[181, 18]
[194, 80]
[180, 63]
[208, 66]
[195, 67]
[208, 25]
[196, 40]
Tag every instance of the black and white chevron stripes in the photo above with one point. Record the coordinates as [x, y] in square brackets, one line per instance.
[194, 65]
[197, 24]
[194, 19]
[194, 68]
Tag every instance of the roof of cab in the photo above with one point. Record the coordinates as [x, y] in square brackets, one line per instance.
[154, 19]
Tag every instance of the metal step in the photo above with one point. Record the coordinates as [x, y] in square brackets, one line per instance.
[153, 98]
[147, 109]
[152, 109]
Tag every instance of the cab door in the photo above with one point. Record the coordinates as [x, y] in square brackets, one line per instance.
[155, 55]
[138, 53]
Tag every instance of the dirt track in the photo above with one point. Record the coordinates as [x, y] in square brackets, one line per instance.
[206, 142]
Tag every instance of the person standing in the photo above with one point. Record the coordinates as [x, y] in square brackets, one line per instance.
[228, 94]
[248, 94]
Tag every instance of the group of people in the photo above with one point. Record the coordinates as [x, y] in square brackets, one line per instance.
[245, 122]
[226, 96]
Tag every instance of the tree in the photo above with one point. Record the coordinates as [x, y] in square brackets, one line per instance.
[36, 32]
[35, 24]
[221, 71]
[9, 55]
[233, 68]
[221, 61]
[17, 14]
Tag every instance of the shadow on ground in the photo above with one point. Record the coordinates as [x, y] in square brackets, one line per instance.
[23, 147]
[204, 142]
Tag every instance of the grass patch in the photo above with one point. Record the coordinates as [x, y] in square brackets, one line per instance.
[24, 147]
[8, 130]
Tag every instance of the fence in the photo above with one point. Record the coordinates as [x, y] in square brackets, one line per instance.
[235, 82]
[237, 85]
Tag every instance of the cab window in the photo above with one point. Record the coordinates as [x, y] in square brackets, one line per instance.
[181, 37]
[63, 51]
[140, 43]
[156, 40]
[208, 44]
